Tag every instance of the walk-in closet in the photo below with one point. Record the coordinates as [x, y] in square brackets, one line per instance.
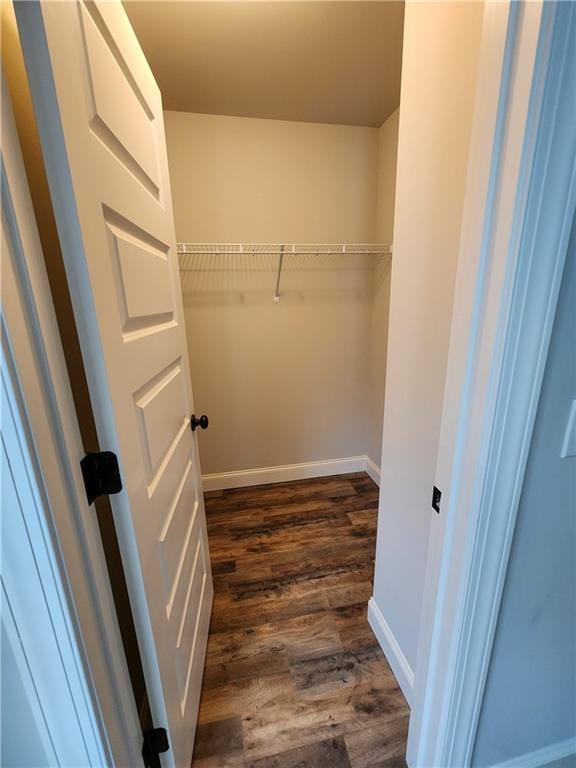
[284, 213]
[281, 131]
[317, 154]
[285, 252]
[289, 330]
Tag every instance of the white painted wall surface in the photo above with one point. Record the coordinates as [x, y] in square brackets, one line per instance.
[290, 382]
[529, 702]
[441, 46]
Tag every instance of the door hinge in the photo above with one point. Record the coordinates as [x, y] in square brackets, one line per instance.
[101, 474]
[155, 742]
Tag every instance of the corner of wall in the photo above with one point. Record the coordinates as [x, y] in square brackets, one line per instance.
[384, 215]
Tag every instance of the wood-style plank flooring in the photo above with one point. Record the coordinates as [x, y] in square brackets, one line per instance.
[294, 677]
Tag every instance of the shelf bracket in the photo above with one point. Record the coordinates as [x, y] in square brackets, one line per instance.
[280, 262]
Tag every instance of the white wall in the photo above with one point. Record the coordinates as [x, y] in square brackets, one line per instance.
[529, 701]
[386, 191]
[290, 382]
[441, 45]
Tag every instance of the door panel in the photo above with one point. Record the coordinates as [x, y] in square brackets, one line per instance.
[145, 291]
[121, 116]
[101, 126]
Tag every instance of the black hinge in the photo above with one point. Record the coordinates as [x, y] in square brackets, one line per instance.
[436, 496]
[101, 474]
[155, 742]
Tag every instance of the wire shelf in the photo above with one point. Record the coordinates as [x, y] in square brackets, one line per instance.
[275, 249]
[280, 250]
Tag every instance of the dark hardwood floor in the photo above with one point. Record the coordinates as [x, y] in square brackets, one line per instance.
[294, 677]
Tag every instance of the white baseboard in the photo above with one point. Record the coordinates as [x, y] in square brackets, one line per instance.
[373, 470]
[283, 474]
[398, 662]
[542, 757]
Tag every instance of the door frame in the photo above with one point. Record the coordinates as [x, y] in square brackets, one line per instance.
[72, 539]
[513, 246]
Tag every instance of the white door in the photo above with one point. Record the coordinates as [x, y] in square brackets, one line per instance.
[51, 450]
[100, 121]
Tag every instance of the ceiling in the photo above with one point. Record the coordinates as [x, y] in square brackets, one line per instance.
[324, 62]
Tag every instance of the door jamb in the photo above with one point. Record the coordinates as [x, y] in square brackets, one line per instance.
[512, 252]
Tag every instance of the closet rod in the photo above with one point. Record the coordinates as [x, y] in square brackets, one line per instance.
[280, 262]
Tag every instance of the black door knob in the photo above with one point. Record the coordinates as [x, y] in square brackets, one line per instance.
[196, 422]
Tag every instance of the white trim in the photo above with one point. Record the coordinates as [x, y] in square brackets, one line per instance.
[517, 219]
[283, 474]
[373, 470]
[541, 757]
[398, 662]
[286, 473]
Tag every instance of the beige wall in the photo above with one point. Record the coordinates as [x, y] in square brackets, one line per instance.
[239, 179]
[386, 191]
[386, 177]
[289, 382]
[441, 45]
